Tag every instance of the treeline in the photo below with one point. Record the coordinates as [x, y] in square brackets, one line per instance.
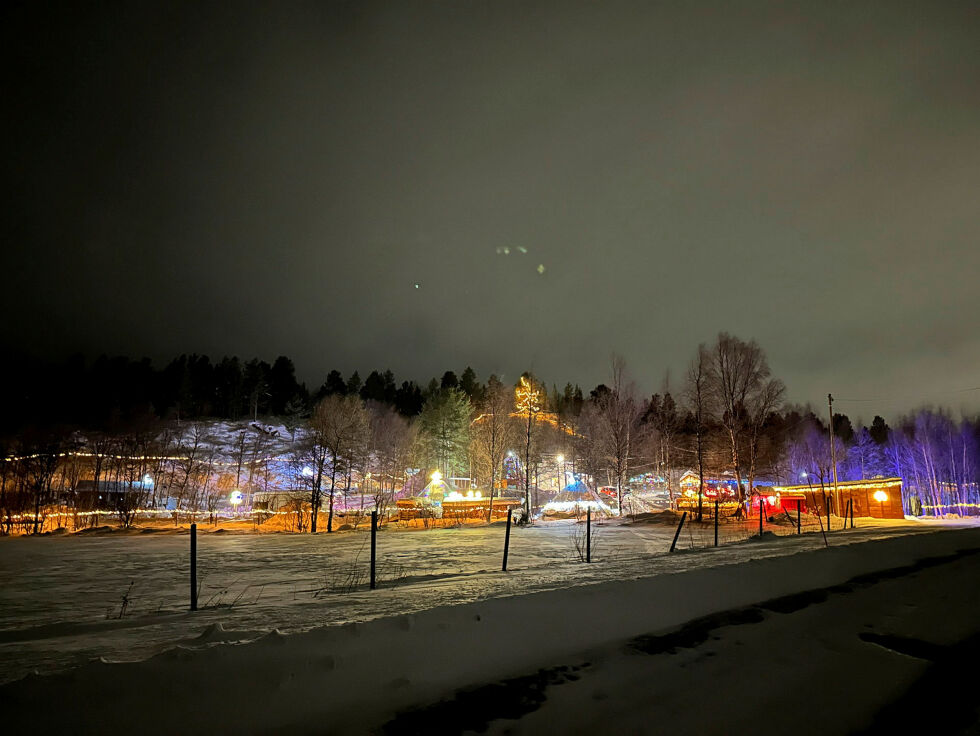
[115, 392]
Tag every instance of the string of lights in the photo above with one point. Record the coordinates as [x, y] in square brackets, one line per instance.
[144, 512]
[140, 458]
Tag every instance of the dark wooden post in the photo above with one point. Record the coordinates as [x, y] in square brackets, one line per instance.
[374, 547]
[851, 504]
[193, 567]
[716, 520]
[588, 534]
[507, 538]
[799, 526]
[678, 532]
[762, 512]
[827, 501]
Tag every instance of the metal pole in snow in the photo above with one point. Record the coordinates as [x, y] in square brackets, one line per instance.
[852, 512]
[193, 567]
[678, 532]
[761, 512]
[374, 546]
[510, 512]
[716, 521]
[588, 534]
[799, 526]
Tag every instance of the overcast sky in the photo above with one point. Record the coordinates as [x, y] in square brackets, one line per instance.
[258, 181]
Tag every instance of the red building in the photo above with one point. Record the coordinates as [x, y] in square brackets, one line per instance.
[880, 498]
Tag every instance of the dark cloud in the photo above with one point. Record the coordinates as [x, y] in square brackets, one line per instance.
[258, 181]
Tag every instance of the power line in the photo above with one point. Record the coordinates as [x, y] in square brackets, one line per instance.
[906, 398]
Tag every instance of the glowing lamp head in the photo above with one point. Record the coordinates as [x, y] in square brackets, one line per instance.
[803, 474]
[771, 500]
[235, 498]
[880, 496]
[560, 458]
[147, 480]
[307, 472]
[436, 476]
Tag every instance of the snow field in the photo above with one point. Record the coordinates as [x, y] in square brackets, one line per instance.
[353, 678]
[61, 598]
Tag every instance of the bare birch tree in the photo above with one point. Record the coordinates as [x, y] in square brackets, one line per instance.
[698, 400]
[746, 395]
[338, 424]
[612, 421]
[493, 432]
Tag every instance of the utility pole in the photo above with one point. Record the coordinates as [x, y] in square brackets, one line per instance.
[833, 451]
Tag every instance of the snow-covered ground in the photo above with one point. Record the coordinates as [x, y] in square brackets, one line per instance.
[60, 599]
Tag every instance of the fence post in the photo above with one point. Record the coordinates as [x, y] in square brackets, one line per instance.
[799, 526]
[761, 513]
[193, 567]
[588, 534]
[716, 520]
[374, 546]
[678, 532]
[507, 538]
[822, 530]
[852, 512]
[827, 504]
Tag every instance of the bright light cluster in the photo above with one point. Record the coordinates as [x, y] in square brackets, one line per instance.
[470, 496]
[567, 506]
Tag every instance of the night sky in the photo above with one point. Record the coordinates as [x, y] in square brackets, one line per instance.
[265, 180]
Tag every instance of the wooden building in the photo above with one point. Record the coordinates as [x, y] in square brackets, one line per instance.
[880, 498]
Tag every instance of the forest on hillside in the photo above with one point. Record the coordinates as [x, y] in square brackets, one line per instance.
[125, 420]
